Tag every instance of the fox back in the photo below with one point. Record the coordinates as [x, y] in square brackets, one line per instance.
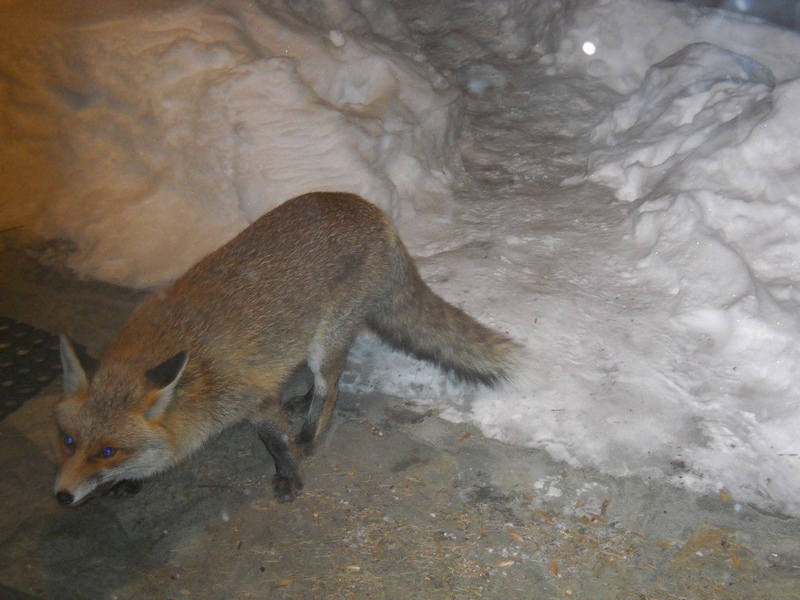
[217, 346]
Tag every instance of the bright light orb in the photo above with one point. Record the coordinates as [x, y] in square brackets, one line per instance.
[588, 48]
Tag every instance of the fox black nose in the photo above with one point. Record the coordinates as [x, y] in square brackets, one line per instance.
[65, 498]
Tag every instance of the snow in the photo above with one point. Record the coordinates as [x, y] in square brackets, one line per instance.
[185, 125]
[630, 37]
[629, 213]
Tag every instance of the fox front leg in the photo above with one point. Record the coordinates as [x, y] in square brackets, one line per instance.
[273, 429]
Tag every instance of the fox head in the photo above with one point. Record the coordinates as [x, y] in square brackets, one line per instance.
[110, 423]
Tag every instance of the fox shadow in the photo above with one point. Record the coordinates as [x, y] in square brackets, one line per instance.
[109, 544]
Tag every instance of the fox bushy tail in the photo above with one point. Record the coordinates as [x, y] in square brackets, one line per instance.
[414, 319]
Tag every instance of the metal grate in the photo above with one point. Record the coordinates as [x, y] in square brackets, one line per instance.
[29, 360]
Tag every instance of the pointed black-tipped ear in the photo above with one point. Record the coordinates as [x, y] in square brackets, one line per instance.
[75, 379]
[165, 376]
[169, 371]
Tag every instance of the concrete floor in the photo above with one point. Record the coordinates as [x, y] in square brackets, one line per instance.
[398, 504]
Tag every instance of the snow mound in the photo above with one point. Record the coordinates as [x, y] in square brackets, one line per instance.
[683, 103]
[180, 127]
[628, 36]
[703, 150]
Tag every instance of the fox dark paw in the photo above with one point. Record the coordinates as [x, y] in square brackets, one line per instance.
[286, 488]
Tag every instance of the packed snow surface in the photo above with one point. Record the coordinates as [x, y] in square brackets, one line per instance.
[615, 184]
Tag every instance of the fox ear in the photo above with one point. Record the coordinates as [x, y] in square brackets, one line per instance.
[75, 379]
[166, 377]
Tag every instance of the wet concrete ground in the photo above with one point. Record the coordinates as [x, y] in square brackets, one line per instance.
[398, 504]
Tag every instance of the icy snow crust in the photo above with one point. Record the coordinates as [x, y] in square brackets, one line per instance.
[656, 288]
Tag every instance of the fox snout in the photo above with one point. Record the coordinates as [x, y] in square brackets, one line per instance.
[122, 489]
[65, 498]
[73, 488]
[84, 475]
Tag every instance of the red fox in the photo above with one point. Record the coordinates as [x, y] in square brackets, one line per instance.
[217, 346]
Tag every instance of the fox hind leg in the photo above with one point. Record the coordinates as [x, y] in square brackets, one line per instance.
[327, 368]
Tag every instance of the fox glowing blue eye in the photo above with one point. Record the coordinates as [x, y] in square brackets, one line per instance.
[108, 452]
[69, 441]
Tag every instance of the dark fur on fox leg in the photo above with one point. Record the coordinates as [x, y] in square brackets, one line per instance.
[305, 439]
[287, 482]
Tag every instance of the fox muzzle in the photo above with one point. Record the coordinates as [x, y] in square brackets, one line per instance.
[65, 498]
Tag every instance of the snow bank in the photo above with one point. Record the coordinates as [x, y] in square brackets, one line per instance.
[689, 100]
[504, 29]
[164, 133]
[628, 36]
[704, 150]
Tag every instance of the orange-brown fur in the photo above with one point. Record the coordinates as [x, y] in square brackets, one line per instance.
[217, 346]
